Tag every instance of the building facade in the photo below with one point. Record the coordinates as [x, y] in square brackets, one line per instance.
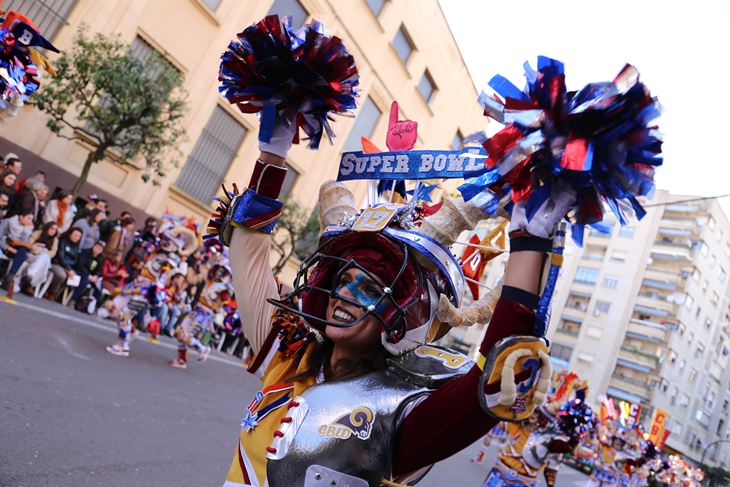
[403, 48]
[642, 313]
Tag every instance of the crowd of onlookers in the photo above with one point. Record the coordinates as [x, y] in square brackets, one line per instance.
[46, 239]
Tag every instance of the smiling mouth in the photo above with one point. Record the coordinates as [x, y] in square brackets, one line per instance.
[341, 314]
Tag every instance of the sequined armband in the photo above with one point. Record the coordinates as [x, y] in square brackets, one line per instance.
[252, 211]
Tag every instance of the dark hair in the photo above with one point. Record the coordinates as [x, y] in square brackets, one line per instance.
[7, 189]
[127, 221]
[103, 201]
[121, 215]
[26, 212]
[150, 221]
[344, 368]
[12, 161]
[91, 216]
[62, 193]
[68, 232]
[46, 239]
[41, 172]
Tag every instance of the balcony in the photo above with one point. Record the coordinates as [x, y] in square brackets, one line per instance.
[631, 380]
[639, 357]
[627, 392]
[648, 331]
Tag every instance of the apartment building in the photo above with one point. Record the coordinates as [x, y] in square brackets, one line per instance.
[642, 313]
[403, 48]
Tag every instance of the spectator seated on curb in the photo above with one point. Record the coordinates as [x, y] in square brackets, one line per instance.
[88, 267]
[67, 256]
[14, 235]
[44, 243]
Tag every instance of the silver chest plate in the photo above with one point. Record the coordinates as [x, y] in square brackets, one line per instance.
[344, 430]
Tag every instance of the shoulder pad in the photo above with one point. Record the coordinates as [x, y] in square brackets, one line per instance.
[430, 366]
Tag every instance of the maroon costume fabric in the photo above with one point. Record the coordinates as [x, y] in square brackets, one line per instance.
[451, 418]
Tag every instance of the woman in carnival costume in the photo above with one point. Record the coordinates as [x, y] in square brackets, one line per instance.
[191, 326]
[622, 454]
[535, 445]
[352, 394]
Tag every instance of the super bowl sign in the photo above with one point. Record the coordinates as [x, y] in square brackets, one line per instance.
[413, 164]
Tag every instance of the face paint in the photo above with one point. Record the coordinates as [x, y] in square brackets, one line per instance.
[354, 288]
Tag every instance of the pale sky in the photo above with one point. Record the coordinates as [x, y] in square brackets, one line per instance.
[680, 48]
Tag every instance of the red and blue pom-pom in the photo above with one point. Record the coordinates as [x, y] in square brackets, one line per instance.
[301, 76]
[599, 139]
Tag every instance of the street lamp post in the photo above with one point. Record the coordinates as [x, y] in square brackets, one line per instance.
[702, 462]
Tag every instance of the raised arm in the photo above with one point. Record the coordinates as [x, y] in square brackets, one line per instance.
[251, 222]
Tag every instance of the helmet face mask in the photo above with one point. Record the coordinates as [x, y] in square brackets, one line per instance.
[313, 283]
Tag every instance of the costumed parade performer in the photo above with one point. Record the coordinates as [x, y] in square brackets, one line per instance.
[536, 444]
[622, 456]
[19, 61]
[352, 394]
[214, 297]
[148, 290]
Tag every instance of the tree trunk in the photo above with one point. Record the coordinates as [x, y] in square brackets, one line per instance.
[93, 157]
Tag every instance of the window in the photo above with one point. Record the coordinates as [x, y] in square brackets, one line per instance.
[367, 118]
[713, 259]
[700, 350]
[290, 7]
[610, 281]
[690, 337]
[587, 276]
[603, 306]
[619, 256]
[569, 325]
[212, 4]
[696, 275]
[703, 417]
[703, 247]
[699, 310]
[427, 87]
[721, 274]
[705, 285]
[682, 364]
[689, 302]
[684, 401]
[560, 351]
[49, 17]
[708, 323]
[715, 298]
[289, 180]
[681, 329]
[716, 372]
[456, 143]
[211, 157]
[677, 428]
[376, 6]
[402, 44]
[626, 231]
[692, 375]
[711, 223]
[672, 356]
[719, 235]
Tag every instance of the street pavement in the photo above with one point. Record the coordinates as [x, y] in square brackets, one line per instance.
[72, 414]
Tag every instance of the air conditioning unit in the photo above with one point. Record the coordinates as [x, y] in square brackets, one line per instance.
[596, 313]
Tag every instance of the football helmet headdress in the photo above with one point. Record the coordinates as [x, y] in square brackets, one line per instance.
[403, 273]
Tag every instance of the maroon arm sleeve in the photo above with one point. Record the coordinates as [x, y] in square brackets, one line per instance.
[451, 418]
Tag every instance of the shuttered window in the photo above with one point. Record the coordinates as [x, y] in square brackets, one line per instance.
[290, 7]
[212, 4]
[211, 157]
[48, 15]
[367, 118]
